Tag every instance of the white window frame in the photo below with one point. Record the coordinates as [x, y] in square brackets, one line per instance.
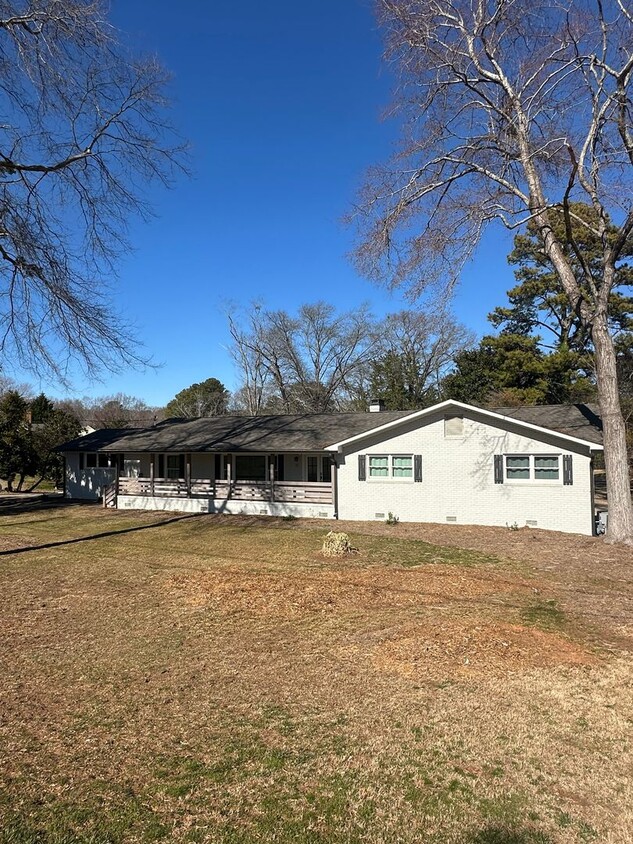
[390, 477]
[533, 480]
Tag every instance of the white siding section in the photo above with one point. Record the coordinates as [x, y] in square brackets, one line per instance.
[87, 484]
[458, 479]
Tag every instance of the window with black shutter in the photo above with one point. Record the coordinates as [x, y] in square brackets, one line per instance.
[362, 467]
[417, 468]
[498, 468]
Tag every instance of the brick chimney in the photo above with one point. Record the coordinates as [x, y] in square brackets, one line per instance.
[376, 405]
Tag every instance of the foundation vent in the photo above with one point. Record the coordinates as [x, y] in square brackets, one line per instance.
[379, 515]
[451, 518]
[531, 522]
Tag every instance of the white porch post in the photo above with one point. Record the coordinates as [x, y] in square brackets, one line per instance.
[334, 486]
[151, 474]
[271, 472]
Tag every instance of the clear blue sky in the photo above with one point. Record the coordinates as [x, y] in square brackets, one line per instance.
[281, 102]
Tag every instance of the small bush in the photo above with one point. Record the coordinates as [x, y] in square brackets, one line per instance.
[337, 545]
[391, 519]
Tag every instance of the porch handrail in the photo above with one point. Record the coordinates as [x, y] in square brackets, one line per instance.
[317, 492]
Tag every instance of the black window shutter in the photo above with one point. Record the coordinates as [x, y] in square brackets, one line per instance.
[161, 465]
[82, 460]
[417, 468]
[498, 468]
[217, 467]
[280, 467]
[181, 466]
[568, 469]
[362, 467]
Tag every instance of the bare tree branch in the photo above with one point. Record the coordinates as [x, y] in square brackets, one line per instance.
[84, 132]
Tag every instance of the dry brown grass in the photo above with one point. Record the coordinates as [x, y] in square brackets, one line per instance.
[217, 679]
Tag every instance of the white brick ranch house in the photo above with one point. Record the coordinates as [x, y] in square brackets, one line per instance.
[448, 463]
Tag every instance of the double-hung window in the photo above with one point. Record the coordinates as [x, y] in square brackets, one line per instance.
[532, 467]
[391, 466]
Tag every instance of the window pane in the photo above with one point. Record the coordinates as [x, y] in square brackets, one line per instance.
[102, 461]
[546, 468]
[518, 468]
[378, 466]
[173, 466]
[403, 467]
[91, 460]
[250, 467]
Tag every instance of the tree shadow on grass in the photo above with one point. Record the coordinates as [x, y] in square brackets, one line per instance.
[36, 502]
[495, 834]
[101, 535]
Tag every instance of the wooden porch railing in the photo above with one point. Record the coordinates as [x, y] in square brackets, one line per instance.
[109, 494]
[299, 492]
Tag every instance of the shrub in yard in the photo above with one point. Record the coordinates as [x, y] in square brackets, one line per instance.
[337, 544]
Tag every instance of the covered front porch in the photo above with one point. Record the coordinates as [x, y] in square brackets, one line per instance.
[272, 484]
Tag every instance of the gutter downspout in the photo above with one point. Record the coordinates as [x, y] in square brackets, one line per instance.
[334, 484]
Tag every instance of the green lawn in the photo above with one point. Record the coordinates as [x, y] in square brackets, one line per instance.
[216, 679]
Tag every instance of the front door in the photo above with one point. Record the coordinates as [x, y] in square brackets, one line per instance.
[318, 468]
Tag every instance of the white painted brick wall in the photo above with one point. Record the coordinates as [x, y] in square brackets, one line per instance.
[87, 484]
[458, 480]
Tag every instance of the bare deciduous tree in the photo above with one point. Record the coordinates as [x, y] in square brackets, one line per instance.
[83, 132]
[302, 364]
[513, 113]
[417, 348]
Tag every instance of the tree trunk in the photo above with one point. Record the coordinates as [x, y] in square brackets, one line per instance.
[620, 527]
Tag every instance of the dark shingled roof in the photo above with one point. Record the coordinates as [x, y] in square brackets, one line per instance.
[306, 432]
[576, 420]
[101, 440]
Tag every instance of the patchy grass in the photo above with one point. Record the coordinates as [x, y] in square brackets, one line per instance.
[546, 615]
[197, 679]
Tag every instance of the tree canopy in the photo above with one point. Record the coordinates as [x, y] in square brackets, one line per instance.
[208, 398]
[27, 446]
[415, 349]
[540, 306]
[84, 132]
[304, 363]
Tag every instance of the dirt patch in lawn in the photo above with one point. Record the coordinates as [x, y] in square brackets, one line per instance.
[465, 650]
[428, 622]
[232, 590]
